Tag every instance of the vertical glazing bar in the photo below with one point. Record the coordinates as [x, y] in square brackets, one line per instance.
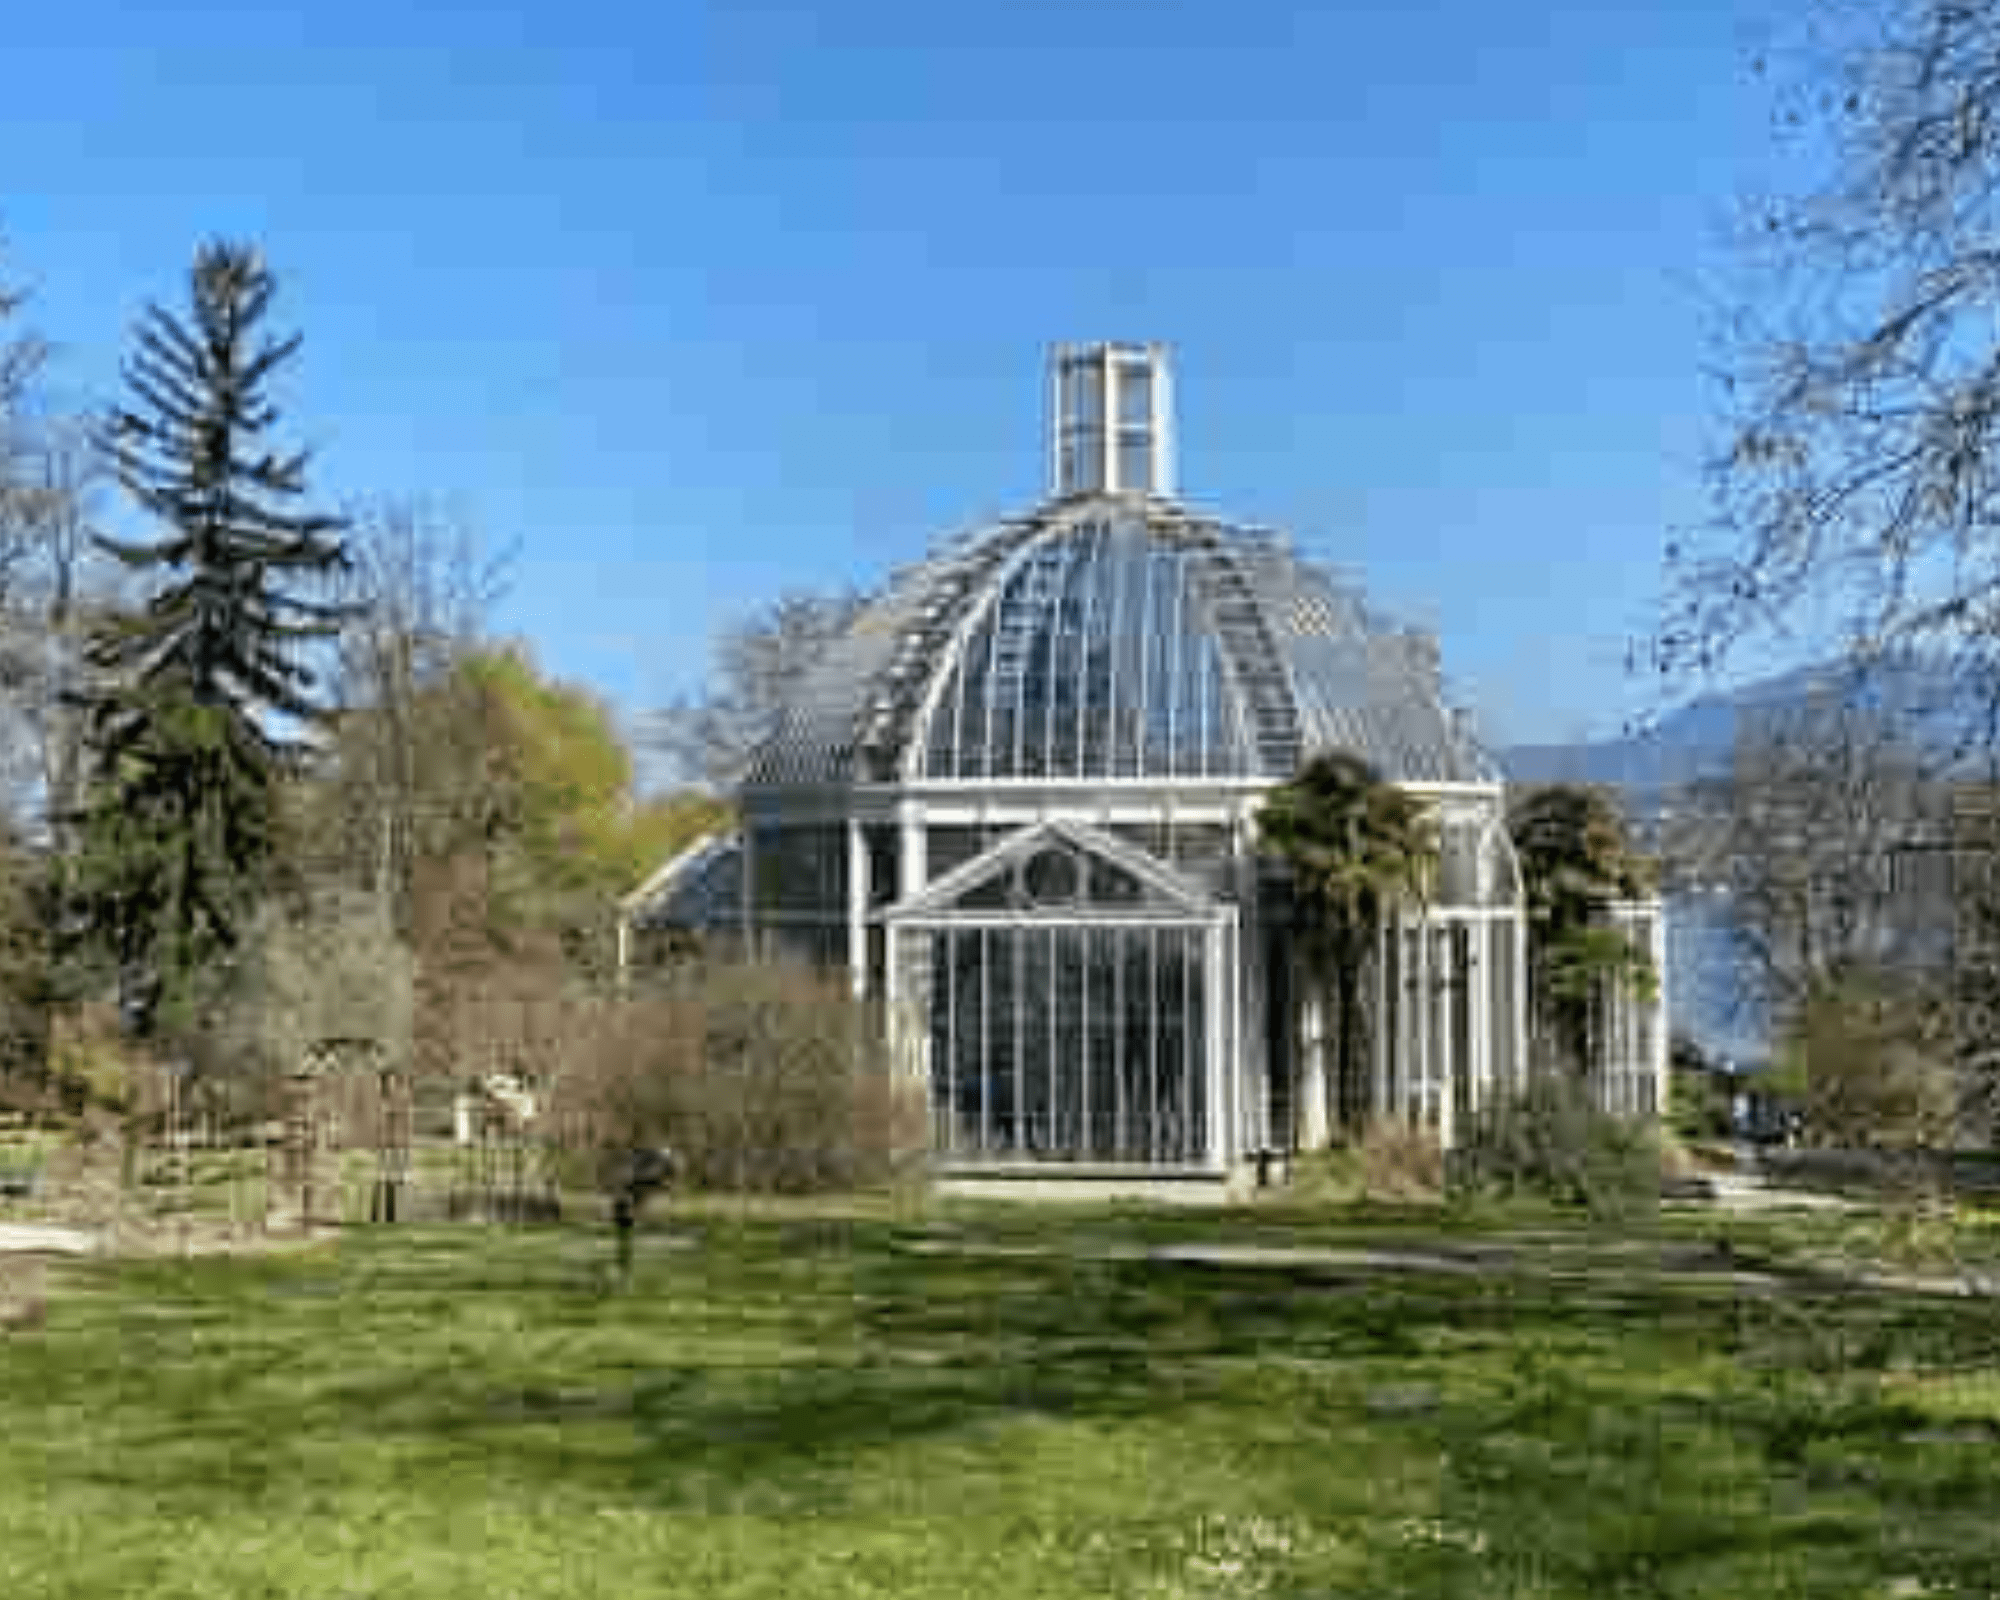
[1059, 630]
[950, 943]
[1143, 705]
[1033, 609]
[1119, 938]
[1089, 561]
[996, 618]
[1017, 940]
[1193, 960]
[1205, 693]
[1175, 662]
[962, 668]
[985, 1042]
[1052, 1074]
[1087, 945]
[1114, 655]
[1153, 1044]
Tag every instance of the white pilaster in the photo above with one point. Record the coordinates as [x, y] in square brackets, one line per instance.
[857, 908]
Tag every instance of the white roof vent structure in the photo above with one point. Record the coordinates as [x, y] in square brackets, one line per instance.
[1113, 421]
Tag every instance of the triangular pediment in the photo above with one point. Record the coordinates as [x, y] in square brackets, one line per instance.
[1060, 867]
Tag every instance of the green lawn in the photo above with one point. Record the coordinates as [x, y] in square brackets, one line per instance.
[797, 1404]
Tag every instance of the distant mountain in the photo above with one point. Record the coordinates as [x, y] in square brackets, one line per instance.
[1697, 740]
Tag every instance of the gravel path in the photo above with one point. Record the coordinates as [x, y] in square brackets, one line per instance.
[38, 1239]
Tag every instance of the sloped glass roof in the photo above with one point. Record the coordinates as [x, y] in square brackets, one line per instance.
[1116, 637]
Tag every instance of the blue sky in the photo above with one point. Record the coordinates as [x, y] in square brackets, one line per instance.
[699, 302]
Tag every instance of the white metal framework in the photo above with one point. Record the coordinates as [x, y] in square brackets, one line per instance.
[1018, 802]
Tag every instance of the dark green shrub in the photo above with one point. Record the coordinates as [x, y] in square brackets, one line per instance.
[1549, 1142]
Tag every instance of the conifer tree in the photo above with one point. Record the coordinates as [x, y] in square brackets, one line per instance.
[196, 685]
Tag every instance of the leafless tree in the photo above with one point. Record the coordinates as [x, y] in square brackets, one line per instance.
[22, 357]
[1857, 485]
[22, 495]
[422, 590]
[60, 589]
[711, 737]
[51, 585]
[1815, 841]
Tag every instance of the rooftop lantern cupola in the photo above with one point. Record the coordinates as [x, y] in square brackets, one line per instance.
[1113, 420]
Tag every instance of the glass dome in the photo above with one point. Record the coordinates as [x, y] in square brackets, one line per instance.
[1110, 637]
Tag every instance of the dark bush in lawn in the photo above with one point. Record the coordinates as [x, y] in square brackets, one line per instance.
[1550, 1142]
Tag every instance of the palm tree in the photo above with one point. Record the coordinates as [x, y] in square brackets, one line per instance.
[1575, 859]
[1358, 847]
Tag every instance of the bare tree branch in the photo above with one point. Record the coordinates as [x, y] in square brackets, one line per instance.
[1857, 469]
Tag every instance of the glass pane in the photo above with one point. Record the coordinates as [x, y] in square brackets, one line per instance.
[1135, 397]
[1086, 447]
[1052, 877]
[1135, 463]
[1114, 886]
[1086, 393]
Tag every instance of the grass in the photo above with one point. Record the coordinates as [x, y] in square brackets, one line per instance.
[800, 1401]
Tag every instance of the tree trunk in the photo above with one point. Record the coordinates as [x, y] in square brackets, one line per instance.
[1350, 1102]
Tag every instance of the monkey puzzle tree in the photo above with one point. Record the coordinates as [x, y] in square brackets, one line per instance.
[195, 685]
[1358, 847]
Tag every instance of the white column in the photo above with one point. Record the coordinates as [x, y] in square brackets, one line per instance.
[910, 857]
[857, 907]
[1221, 1064]
[910, 879]
[1661, 1056]
[1519, 939]
[1309, 1114]
[1479, 1006]
[1378, 1029]
[1450, 1067]
[1421, 1015]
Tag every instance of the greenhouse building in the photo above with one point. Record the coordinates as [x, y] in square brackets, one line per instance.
[1017, 803]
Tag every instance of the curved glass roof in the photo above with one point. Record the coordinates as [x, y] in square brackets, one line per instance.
[1117, 636]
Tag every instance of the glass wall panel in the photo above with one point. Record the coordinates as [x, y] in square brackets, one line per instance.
[1135, 461]
[1071, 1044]
[801, 869]
[1135, 396]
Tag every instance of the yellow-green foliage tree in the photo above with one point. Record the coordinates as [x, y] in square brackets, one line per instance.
[581, 835]
[492, 808]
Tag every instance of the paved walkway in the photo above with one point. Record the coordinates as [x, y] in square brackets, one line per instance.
[38, 1239]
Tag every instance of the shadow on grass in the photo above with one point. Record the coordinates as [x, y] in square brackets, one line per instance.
[1594, 1433]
